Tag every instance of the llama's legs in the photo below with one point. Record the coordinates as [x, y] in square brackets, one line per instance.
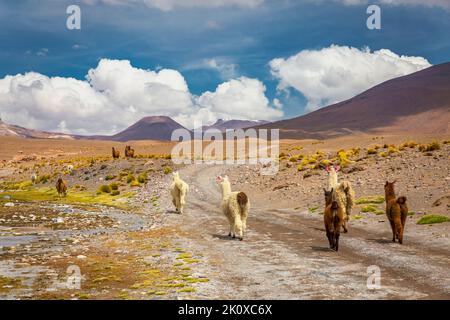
[393, 229]
[330, 239]
[238, 227]
[344, 225]
[336, 240]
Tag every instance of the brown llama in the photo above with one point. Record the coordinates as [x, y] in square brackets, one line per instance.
[396, 211]
[333, 217]
[129, 153]
[115, 153]
[61, 187]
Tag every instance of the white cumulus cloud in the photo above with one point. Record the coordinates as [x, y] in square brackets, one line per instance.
[115, 94]
[338, 73]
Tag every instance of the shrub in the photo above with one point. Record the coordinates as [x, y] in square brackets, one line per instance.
[430, 147]
[130, 178]
[392, 150]
[433, 218]
[135, 183]
[43, 179]
[293, 159]
[167, 170]
[383, 154]
[115, 192]
[104, 189]
[103, 167]
[371, 151]
[109, 177]
[114, 186]
[142, 178]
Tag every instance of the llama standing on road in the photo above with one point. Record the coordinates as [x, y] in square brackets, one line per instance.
[396, 211]
[179, 190]
[345, 195]
[235, 206]
[61, 187]
[334, 217]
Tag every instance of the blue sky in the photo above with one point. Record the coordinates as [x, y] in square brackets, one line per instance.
[239, 40]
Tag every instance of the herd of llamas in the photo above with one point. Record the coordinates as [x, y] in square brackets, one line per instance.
[339, 201]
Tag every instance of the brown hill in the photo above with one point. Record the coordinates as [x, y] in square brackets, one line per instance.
[416, 103]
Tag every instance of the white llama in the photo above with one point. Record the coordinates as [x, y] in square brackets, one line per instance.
[179, 190]
[235, 207]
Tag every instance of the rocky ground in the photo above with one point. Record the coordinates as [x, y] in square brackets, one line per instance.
[132, 245]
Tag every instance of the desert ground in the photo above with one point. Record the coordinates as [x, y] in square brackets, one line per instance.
[118, 227]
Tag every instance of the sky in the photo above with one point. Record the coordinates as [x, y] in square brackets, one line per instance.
[201, 60]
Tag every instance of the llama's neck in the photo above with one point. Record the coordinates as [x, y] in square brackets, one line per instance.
[332, 180]
[389, 194]
[226, 189]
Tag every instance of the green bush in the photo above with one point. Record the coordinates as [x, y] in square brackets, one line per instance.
[104, 189]
[433, 218]
[131, 178]
[142, 178]
[114, 186]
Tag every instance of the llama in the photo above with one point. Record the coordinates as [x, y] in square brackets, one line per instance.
[61, 187]
[129, 153]
[33, 178]
[69, 168]
[235, 206]
[334, 217]
[179, 190]
[345, 195]
[396, 211]
[115, 153]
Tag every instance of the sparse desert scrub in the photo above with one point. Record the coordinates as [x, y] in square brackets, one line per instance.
[371, 151]
[131, 178]
[142, 178]
[433, 146]
[432, 219]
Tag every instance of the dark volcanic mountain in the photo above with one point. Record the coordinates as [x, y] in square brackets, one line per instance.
[148, 128]
[223, 125]
[416, 103]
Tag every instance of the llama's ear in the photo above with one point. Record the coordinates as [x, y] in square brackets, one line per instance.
[219, 178]
[386, 183]
[327, 168]
[337, 167]
[394, 181]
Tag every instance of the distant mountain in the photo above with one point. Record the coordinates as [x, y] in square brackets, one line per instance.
[416, 103]
[148, 128]
[223, 125]
[9, 130]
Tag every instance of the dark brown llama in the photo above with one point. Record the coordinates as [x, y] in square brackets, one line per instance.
[333, 217]
[129, 153]
[396, 211]
[115, 153]
[61, 187]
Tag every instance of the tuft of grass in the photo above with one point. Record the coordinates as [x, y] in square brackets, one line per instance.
[432, 219]
[371, 151]
[370, 200]
[433, 146]
[104, 189]
[187, 289]
[368, 208]
[131, 178]
[313, 209]
[142, 178]
[167, 170]
[114, 186]
[135, 184]
[356, 217]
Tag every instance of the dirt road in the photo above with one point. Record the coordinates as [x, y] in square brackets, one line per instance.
[285, 254]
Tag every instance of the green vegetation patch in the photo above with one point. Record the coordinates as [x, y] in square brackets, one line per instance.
[432, 219]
